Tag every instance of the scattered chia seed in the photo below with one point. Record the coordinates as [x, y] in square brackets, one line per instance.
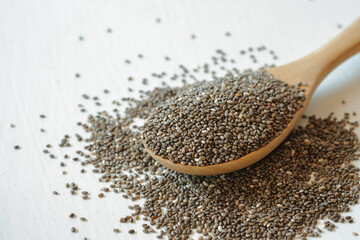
[17, 147]
[101, 195]
[81, 38]
[131, 231]
[83, 219]
[349, 219]
[116, 230]
[12, 125]
[74, 230]
[77, 75]
[72, 215]
[55, 193]
[42, 116]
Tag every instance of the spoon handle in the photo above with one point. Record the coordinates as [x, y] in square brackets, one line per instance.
[314, 67]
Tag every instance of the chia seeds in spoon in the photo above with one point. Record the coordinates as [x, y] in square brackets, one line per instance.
[221, 120]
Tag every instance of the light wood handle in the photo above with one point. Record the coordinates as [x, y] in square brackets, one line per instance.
[314, 67]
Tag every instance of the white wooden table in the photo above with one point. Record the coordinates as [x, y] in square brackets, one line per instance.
[40, 54]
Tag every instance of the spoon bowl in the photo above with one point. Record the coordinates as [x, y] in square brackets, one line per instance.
[310, 70]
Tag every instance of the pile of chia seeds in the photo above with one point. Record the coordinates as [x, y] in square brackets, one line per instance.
[217, 121]
[308, 178]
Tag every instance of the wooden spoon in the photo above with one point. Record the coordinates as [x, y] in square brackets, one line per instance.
[311, 69]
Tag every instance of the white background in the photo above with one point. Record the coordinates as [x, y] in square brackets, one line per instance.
[40, 54]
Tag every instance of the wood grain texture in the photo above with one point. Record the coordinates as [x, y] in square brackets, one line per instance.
[40, 54]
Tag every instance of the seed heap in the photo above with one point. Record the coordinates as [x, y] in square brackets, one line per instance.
[307, 178]
[271, 199]
[222, 120]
